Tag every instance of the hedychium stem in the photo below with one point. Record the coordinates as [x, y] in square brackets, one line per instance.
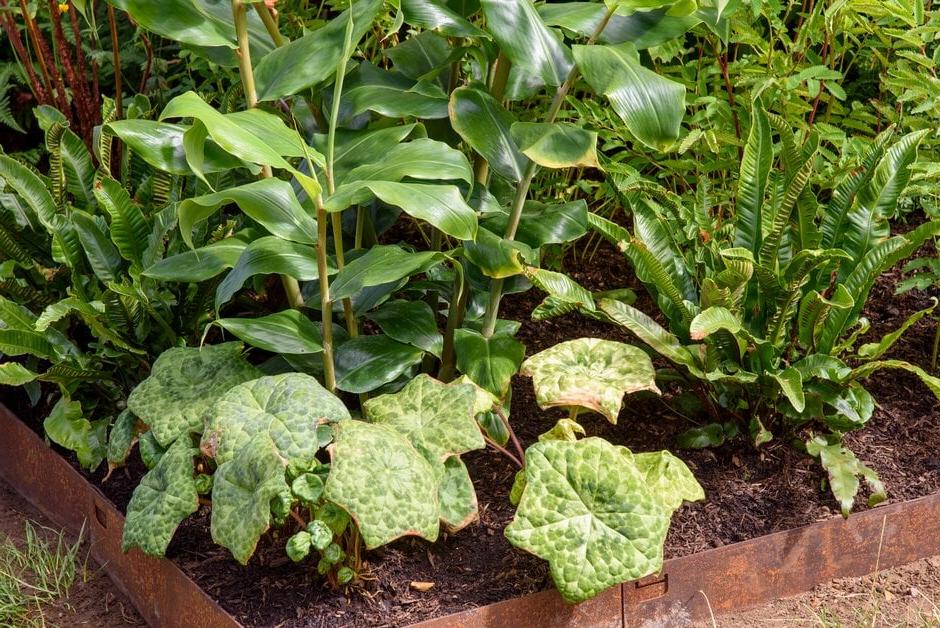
[455, 315]
[349, 315]
[326, 305]
[432, 298]
[270, 24]
[522, 189]
[240, 15]
[498, 79]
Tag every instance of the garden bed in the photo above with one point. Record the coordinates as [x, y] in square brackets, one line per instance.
[750, 493]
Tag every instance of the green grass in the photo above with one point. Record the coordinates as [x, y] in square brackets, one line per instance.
[35, 574]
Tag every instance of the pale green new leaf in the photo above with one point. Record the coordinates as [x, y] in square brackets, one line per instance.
[556, 145]
[459, 506]
[590, 373]
[669, 480]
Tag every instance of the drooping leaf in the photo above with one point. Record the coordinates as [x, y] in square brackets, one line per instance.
[384, 483]
[242, 493]
[556, 145]
[459, 506]
[15, 374]
[183, 385]
[485, 125]
[541, 223]
[524, 38]
[588, 511]
[165, 496]
[422, 158]
[438, 15]
[280, 73]
[442, 206]
[590, 373]
[67, 426]
[269, 202]
[844, 469]
[199, 264]
[130, 229]
[650, 105]
[380, 265]
[160, 144]
[290, 408]
[411, 322]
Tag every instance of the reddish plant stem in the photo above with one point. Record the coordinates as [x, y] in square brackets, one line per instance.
[502, 450]
[50, 71]
[148, 67]
[9, 27]
[116, 56]
[61, 47]
[512, 433]
[723, 63]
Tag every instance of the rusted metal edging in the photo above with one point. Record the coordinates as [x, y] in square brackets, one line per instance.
[163, 594]
[717, 581]
[736, 576]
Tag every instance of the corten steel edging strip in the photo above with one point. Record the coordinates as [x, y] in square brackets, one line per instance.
[163, 594]
[736, 576]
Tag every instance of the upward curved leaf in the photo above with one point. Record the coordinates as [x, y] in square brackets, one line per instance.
[280, 73]
[892, 175]
[130, 230]
[524, 38]
[650, 105]
[436, 14]
[752, 184]
[649, 331]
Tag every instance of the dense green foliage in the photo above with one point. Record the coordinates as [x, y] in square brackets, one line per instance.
[350, 190]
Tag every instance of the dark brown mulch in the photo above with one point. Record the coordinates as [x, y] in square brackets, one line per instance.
[749, 492]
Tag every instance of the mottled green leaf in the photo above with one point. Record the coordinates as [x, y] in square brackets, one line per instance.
[438, 419]
[590, 373]
[458, 497]
[586, 509]
[290, 408]
[184, 384]
[668, 478]
[164, 497]
[383, 482]
[242, 494]
[843, 469]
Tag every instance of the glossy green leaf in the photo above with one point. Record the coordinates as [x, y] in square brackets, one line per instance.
[186, 21]
[266, 256]
[183, 385]
[101, 253]
[359, 147]
[485, 125]
[365, 363]
[290, 408]
[542, 223]
[288, 332]
[712, 320]
[557, 144]
[874, 350]
[160, 144]
[15, 374]
[312, 59]
[590, 373]
[199, 264]
[436, 14]
[488, 362]
[752, 182]
[498, 257]
[588, 511]
[442, 206]
[411, 322]
[384, 483]
[650, 105]
[380, 265]
[524, 38]
[165, 496]
[393, 95]
[242, 493]
[269, 202]
[791, 385]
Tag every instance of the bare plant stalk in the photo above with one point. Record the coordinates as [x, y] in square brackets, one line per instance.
[326, 305]
[291, 286]
[522, 189]
[455, 315]
[270, 24]
[13, 33]
[336, 218]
